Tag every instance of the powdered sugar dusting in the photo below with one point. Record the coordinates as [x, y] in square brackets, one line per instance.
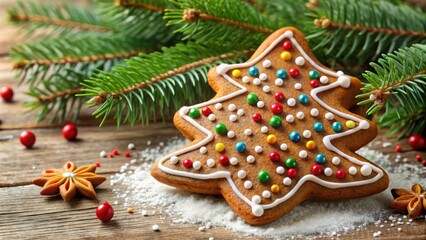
[136, 187]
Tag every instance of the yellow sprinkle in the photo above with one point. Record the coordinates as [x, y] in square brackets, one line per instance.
[219, 147]
[236, 73]
[310, 144]
[275, 188]
[285, 56]
[271, 139]
[350, 124]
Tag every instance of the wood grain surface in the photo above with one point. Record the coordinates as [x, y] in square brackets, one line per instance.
[24, 214]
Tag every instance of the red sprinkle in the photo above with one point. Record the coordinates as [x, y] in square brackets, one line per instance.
[187, 163]
[224, 160]
[127, 154]
[419, 157]
[256, 117]
[104, 212]
[314, 83]
[206, 111]
[97, 164]
[294, 72]
[279, 96]
[114, 152]
[316, 169]
[276, 108]
[398, 148]
[274, 156]
[287, 45]
[340, 174]
[291, 172]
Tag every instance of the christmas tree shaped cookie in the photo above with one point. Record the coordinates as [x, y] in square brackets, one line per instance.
[277, 133]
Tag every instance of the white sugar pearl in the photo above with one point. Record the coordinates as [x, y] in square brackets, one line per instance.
[339, 73]
[307, 134]
[328, 172]
[291, 102]
[211, 117]
[246, 79]
[256, 199]
[264, 129]
[155, 228]
[344, 81]
[300, 115]
[324, 79]
[232, 107]
[230, 134]
[211, 162]
[287, 181]
[366, 170]
[174, 160]
[335, 160]
[256, 81]
[248, 184]
[297, 86]
[280, 170]
[131, 146]
[196, 165]
[266, 194]
[266, 89]
[283, 146]
[103, 154]
[263, 76]
[300, 61]
[267, 63]
[257, 210]
[314, 112]
[289, 118]
[352, 170]
[203, 150]
[329, 116]
[240, 112]
[258, 149]
[303, 154]
[260, 104]
[250, 159]
[364, 124]
[279, 82]
[218, 106]
[232, 118]
[248, 132]
[242, 174]
[233, 161]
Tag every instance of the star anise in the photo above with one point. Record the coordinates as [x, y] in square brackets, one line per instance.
[413, 202]
[68, 180]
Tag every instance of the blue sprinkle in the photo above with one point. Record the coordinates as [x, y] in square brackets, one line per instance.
[281, 73]
[240, 147]
[303, 98]
[318, 127]
[295, 136]
[253, 71]
[320, 158]
[337, 126]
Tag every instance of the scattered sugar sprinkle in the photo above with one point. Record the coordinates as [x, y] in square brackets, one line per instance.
[155, 228]
[135, 185]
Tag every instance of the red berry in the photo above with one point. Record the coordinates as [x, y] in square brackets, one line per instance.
[6, 93]
[274, 156]
[314, 83]
[276, 108]
[69, 132]
[419, 157]
[206, 111]
[97, 164]
[115, 152]
[340, 174]
[256, 117]
[416, 141]
[104, 212]
[187, 163]
[287, 45]
[398, 148]
[294, 72]
[424, 162]
[224, 160]
[279, 96]
[27, 138]
[291, 172]
[127, 154]
[316, 169]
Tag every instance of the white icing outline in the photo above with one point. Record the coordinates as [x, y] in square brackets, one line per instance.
[222, 69]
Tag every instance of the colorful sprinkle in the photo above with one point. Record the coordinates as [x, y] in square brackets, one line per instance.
[219, 147]
[303, 98]
[256, 117]
[291, 172]
[310, 145]
[287, 45]
[253, 71]
[337, 126]
[320, 158]
[252, 99]
[274, 156]
[350, 124]
[318, 127]
[275, 121]
[290, 162]
[206, 111]
[240, 147]
[314, 83]
[271, 139]
[340, 174]
[187, 163]
[194, 113]
[316, 169]
[281, 73]
[220, 128]
[236, 73]
[294, 72]
[275, 188]
[285, 55]
[277, 108]
[279, 96]
[263, 176]
[313, 74]
[295, 136]
[224, 160]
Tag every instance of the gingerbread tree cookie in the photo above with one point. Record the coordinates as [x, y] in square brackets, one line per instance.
[277, 133]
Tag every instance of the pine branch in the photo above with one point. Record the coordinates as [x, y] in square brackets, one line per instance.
[398, 83]
[284, 12]
[153, 5]
[148, 87]
[60, 20]
[354, 32]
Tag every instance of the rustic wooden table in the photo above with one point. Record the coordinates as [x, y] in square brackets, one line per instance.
[24, 214]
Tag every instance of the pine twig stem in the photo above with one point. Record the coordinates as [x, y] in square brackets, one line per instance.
[61, 94]
[328, 24]
[86, 59]
[101, 98]
[192, 15]
[124, 3]
[58, 22]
